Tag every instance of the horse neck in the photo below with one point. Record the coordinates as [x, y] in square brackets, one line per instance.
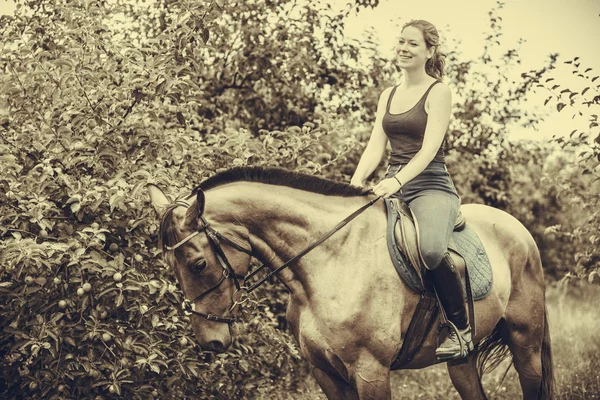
[282, 221]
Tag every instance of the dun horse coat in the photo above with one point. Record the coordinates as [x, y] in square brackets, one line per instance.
[348, 309]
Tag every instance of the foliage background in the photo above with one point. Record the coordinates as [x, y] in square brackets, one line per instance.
[98, 98]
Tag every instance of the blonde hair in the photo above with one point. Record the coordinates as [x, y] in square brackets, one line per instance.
[436, 64]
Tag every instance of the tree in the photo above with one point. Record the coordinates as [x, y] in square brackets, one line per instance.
[91, 113]
[576, 173]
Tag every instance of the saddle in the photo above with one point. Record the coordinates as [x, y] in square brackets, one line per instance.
[407, 238]
[468, 255]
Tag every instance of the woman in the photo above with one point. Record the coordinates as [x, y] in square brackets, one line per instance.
[414, 116]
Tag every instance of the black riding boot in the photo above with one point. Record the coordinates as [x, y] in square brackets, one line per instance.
[451, 295]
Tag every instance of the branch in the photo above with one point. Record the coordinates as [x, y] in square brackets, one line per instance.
[32, 234]
[234, 85]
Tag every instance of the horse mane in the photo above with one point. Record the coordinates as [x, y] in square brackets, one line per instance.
[282, 177]
[271, 176]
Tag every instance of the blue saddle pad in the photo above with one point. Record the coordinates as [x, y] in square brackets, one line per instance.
[466, 243]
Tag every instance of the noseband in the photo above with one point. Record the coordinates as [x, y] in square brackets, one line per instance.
[214, 238]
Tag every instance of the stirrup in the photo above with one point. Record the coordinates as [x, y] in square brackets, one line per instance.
[466, 346]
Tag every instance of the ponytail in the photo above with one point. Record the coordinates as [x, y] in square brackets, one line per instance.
[436, 64]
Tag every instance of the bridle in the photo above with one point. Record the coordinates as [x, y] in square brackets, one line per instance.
[215, 237]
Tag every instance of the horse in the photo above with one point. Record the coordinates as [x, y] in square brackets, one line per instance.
[348, 309]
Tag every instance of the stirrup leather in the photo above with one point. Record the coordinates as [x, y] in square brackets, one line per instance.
[466, 345]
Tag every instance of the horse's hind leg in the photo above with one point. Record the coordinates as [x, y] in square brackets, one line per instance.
[465, 378]
[525, 328]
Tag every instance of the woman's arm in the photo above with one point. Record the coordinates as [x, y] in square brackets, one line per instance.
[440, 106]
[375, 149]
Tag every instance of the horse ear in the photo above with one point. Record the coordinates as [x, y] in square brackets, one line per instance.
[200, 199]
[158, 199]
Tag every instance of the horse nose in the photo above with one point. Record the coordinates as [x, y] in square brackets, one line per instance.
[216, 345]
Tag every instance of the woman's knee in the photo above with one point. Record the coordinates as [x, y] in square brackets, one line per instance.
[432, 256]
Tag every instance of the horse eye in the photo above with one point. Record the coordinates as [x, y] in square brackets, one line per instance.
[199, 266]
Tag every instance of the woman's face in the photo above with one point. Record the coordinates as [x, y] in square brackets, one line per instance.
[412, 49]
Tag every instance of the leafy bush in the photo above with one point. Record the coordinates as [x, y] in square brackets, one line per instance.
[90, 115]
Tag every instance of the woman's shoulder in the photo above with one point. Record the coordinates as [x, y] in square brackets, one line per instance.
[386, 92]
[385, 95]
[439, 95]
[440, 85]
[439, 89]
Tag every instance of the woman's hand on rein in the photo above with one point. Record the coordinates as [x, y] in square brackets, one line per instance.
[357, 183]
[386, 188]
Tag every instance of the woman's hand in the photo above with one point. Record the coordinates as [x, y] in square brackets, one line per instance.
[386, 188]
[357, 182]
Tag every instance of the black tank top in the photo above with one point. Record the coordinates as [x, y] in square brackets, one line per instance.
[406, 130]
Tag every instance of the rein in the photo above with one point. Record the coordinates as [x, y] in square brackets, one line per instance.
[228, 272]
[309, 248]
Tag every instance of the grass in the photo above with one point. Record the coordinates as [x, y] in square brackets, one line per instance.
[575, 330]
[574, 318]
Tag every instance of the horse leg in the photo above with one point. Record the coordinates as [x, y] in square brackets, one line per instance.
[334, 386]
[372, 380]
[371, 383]
[528, 363]
[465, 378]
[526, 329]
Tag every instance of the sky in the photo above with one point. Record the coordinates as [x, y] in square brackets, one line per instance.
[570, 28]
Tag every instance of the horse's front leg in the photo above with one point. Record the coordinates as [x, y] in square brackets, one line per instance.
[334, 386]
[372, 379]
[370, 382]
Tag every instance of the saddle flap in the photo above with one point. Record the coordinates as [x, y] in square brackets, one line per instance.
[406, 235]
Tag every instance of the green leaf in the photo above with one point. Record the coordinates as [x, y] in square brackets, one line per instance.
[10, 88]
[120, 299]
[63, 63]
[40, 280]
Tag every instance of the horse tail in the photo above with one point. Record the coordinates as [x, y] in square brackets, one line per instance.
[492, 350]
[547, 385]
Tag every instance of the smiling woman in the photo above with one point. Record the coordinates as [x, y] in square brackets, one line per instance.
[419, 44]
[413, 117]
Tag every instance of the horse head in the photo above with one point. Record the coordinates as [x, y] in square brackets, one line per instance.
[210, 260]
